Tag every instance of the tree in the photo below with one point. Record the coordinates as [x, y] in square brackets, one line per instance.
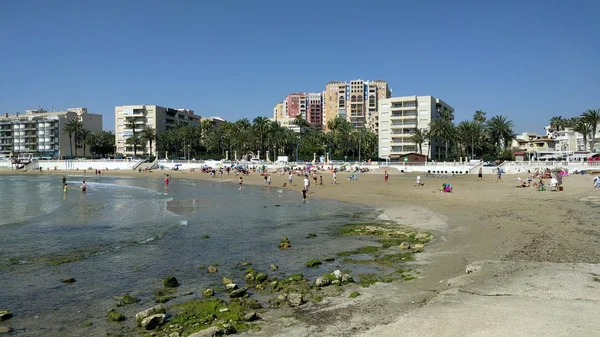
[558, 123]
[583, 127]
[466, 132]
[83, 134]
[479, 117]
[131, 124]
[419, 136]
[442, 129]
[500, 132]
[72, 128]
[148, 135]
[592, 117]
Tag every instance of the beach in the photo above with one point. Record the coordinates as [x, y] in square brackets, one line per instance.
[499, 252]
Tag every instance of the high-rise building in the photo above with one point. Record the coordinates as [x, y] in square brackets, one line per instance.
[399, 117]
[40, 132]
[295, 105]
[355, 101]
[314, 112]
[159, 118]
[278, 111]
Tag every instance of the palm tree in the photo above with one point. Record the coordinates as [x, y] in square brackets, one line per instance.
[584, 128]
[558, 123]
[83, 134]
[479, 117]
[419, 136]
[72, 127]
[466, 133]
[442, 129]
[260, 125]
[148, 135]
[500, 132]
[592, 117]
[131, 124]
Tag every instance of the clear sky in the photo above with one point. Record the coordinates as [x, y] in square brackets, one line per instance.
[527, 60]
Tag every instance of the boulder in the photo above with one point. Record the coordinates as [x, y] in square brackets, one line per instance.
[261, 277]
[170, 282]
[238, 292]
[337, 274]
[159, 309]
[226, 281]
[249, 278]
[210, 332]
[231, 286]
[68, 280]
[273, 267]
[347, 278]
[336, 282]
[249, 317]
[227, 329]
[322, 281]
[405, 245]
[5, 314]
[208, 292]
[5, 329]
[174, 334]
[295, 299]
[152, 321]
[419, 247]
[212, 269]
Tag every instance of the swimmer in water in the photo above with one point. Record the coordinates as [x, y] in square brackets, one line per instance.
[65, 188]
[83, 187]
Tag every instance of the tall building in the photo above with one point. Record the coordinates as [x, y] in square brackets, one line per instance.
[295, 105]
[399, 117]
[278, 111]
[356, 101]
[314, 111]
[159, 118]
[40, 132]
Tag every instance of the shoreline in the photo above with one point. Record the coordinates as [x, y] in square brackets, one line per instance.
[478, 221]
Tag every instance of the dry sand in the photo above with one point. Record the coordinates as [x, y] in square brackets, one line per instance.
[533, 256]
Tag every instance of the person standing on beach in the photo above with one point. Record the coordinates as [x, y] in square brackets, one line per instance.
[269, 180]
[290, 178]
[304, 195]
[334, 181]
[321, 180]
[306, 183]
[480, 174]
[83, 187]
[241, 183]
[64, 181]
[499, 177]
[167, 181]
[386, 176]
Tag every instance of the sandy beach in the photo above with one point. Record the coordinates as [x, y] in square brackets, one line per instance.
[504, 260]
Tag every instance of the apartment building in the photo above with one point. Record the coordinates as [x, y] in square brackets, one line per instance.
[41, 133]
[278, 111]
[356, 101]
[295, 105]
[157, 117]
[399, 117]
[288, 123]
[314, 111]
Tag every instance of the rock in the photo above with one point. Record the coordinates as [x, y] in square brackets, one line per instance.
[260, 286]
[282, 297]
[5, 329]
[347, 278]
[337, 274]
[261, 277]
[322, 281]
[284, 245]
[159, 309]
[115, 316]
[151, 322]
[335, 282]
[405, 245]
[295, 299]
[170, 282]
[210, 332]
[208, 292]
[231, 286]
[238, 292]
[249, 317]
[249, 278]
[226, 281]
[224, 310]
[175, 334]
[274, 284]
[273, 267]
[472, 268]
[246, 264]
[5, 314]
[212, 269]
[68, 280]
[129, 299]
[227, 329]
[419, 247]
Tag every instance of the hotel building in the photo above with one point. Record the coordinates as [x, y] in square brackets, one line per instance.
[399, 117]
[157, 117]
[295, 105]
[41, 133]
[356, 101]
[314, 112]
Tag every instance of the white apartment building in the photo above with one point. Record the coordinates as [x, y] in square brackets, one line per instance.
[288, 123]
[569, 140]
[41, 133]
[157, 117]
[399, 117]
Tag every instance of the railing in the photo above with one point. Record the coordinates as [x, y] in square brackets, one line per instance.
[138, 164]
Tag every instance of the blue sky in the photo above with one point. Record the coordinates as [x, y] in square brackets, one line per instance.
[527, 60]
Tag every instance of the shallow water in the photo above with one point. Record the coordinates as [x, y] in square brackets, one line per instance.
[125, 235]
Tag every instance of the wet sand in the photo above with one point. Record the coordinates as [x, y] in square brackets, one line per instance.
[518, 229]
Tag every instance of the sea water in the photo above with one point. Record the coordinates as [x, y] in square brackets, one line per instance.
[126, 234]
